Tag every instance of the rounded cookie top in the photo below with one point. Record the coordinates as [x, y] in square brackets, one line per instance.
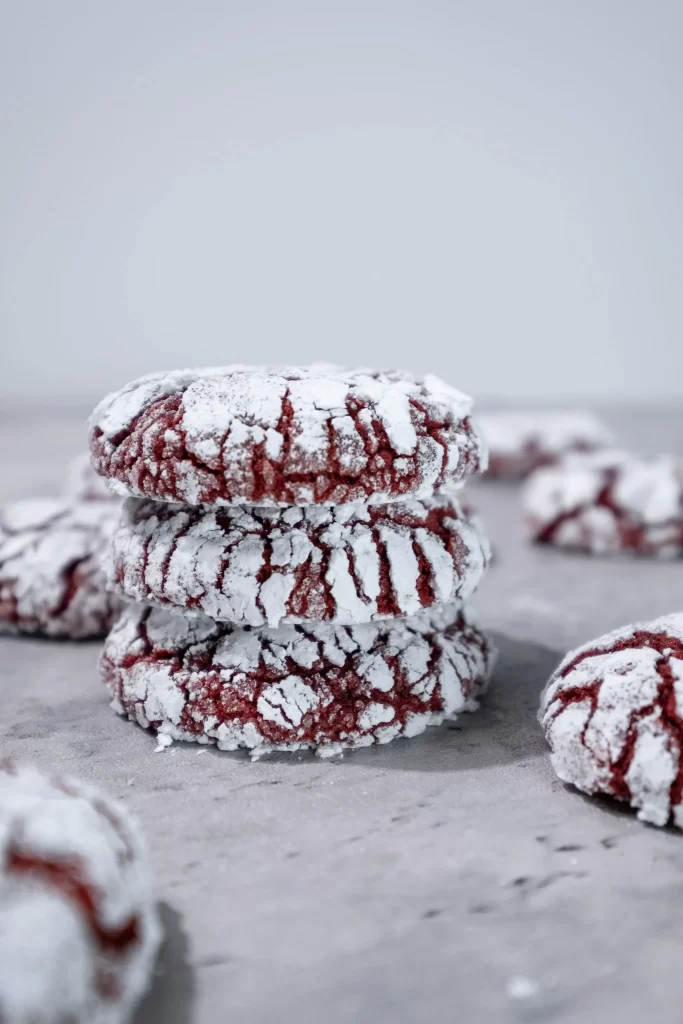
[520, 442]
[608, 502]
[51, 578]
[613, 716]
[78, 926]
[334, 563]
[310, 685]
[284, 436]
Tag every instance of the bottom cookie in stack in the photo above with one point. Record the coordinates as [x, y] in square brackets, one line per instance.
[310, 685]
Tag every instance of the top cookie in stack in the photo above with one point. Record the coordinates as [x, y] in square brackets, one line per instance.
[308, 436]
[339, 486]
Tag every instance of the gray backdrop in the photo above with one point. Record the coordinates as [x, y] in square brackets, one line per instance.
[490, 190]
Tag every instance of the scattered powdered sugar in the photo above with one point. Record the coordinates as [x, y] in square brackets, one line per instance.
[84, 484]
[612, 714]
[51, 580]
[311, 685]
[284, 436]
[609, 502]
[344, 563]
[521, 442]
[78, 927]
[520, 987]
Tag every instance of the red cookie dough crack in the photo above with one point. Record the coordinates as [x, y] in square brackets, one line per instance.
[287, 436]
[343, 563]
[78, 928]
[320, 686]
[607, 503]
[612, 714]
[51, 580]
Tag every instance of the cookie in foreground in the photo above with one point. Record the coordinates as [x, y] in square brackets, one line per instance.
[78, 927]
[311, 685]
[612, 714]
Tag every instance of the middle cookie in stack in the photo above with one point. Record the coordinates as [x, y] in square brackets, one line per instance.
[273, 625]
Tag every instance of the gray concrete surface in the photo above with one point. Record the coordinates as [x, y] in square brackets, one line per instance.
[446, 878]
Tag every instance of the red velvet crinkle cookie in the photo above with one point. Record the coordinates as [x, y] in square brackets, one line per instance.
[609, 502]
[321, 686]
[335, 563]
[313, 435]
[613, 716]
[78, 927]
[84, 484]
[51, 579]
[522, 442]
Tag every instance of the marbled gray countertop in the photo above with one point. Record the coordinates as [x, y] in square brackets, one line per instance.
[445, 878]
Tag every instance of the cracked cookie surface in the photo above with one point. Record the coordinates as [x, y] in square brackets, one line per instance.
[284, 436]
[51, 578]
[607, 503]
[78, 926]
[321, 686]
[257, 566]
[612, 714]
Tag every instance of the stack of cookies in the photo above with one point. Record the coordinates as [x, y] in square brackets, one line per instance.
[296, 555]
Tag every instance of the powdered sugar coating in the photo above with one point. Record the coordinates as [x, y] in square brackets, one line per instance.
[51, 578]
[84, 484]
[522, 442]
[284, 436]
[609, 502]
[612, 714]
[312, 685]
[335, 563]
[78, 928]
